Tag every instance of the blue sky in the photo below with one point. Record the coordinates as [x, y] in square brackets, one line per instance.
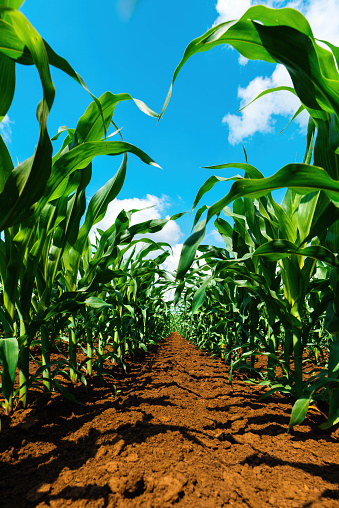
[137, 53]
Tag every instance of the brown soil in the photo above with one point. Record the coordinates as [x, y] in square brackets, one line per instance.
[175, 435]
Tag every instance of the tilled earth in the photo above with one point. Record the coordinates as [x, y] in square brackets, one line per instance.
[175, 434]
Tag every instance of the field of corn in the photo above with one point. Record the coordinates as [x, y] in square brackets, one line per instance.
[82, 320]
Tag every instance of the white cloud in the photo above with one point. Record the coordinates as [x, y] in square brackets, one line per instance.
[5, 129]
[259, 117]
[216, 236]
[243, 60]
[229, 9]
[171, 263]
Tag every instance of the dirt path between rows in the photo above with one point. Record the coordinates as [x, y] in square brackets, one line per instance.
[175, 435]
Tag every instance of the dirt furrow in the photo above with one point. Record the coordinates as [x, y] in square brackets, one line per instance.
[175, 434]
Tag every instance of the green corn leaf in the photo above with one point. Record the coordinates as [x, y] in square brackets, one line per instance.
[91, 127]
[199, 296]
[307, 212]
[303, 178]
[104, 276]
[281, 36]
[106, 101]
[26, 183]
[7, 325]
[150, 226]
[97, 207]
[297, 113]
[333, 420]
[61, 130]
[9, 352]
[271, 90]
[287, 228]
[68, 211]
[314, 89]
[333, 359]
[13, 4]
[209, 184]
[189, 249]
[299, 411]
[48, 366]
[179, 289]
[62, 64]
[6, 164]
[7, 83]
[95, 212]
[279, 249]
[65, 392]
[130, 309]
[33, 41]
[300, 407]
[97, 303]
[80, 157]
[333, 371]
[11, 45]
[276, 388]
[224, 227]
[323, 219]
[321, 254]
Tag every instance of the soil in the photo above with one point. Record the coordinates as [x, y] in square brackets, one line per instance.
[175, 434]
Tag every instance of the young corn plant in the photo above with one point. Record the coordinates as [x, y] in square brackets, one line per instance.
[303, 231]
[44, 246]
[21, 187]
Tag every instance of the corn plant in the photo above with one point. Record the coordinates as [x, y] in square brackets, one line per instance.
[301, 234]
[21, 187]
[45, 245]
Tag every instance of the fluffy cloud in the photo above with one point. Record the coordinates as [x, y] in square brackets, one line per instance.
[216, 236]
[5, 129]
[229, 10]
[259, 117]
[171, 263]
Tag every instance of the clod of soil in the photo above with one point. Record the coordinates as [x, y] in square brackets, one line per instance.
[175, 435]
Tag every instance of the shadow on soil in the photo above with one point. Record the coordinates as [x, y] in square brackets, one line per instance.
[46, 424]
